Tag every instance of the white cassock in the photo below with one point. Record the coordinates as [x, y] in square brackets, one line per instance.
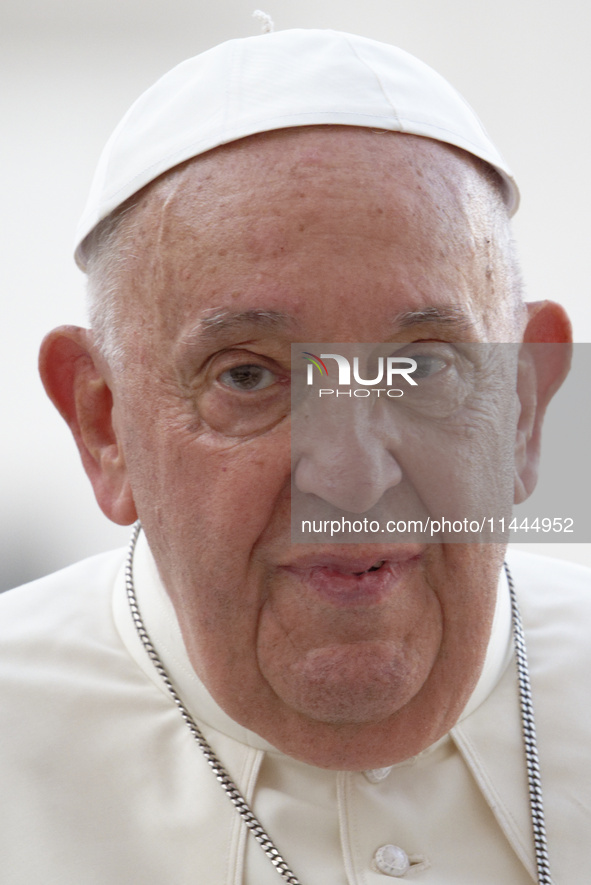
[101, 782]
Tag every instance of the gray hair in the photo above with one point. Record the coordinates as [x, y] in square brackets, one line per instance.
[108, 248]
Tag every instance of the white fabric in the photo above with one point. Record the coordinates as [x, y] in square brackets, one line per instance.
[276, 81]
[102, 782]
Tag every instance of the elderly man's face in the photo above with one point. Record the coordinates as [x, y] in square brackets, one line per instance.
[308, 235]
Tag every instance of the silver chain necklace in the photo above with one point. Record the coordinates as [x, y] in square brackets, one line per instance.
[240, 803]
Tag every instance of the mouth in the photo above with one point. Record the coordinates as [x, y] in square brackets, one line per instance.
[344, 580]
[373, 568]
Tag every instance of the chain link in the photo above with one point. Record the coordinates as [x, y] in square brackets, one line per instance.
[529, 738]
[228, 785]
[242, 806]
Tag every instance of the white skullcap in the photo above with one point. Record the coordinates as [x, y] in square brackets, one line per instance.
[275, 81]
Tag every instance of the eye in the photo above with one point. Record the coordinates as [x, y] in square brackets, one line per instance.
[427, 364]
[248, 377]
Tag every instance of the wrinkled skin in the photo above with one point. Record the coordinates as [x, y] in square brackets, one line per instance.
[303, 235]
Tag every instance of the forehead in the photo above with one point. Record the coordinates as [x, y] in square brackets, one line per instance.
[326, 167]
[306, 221]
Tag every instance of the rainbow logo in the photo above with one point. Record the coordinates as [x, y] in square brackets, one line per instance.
[314, 360]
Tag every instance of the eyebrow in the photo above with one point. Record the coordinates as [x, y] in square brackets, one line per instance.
[222, 321]
[451, 317]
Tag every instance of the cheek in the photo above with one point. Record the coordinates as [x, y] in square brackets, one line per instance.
[461, 471]
[175, 458]
[468, 595]
[206, 502]
[206, 512]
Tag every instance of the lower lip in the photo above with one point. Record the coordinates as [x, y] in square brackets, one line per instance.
[349, 589]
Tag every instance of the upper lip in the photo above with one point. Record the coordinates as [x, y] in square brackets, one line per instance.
[352, 563]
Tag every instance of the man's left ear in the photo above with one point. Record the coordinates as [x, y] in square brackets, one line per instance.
[544, 363]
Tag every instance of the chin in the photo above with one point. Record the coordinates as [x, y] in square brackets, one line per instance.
[351, 686]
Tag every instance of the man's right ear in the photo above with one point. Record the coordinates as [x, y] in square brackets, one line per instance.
[77, 385]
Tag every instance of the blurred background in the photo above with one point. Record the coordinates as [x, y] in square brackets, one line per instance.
[72, 68]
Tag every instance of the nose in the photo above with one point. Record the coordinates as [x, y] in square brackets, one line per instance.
[348, 462]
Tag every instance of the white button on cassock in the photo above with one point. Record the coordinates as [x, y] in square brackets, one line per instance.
[392, 860]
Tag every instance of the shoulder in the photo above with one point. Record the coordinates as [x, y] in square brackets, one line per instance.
[65, 673]
[76, 584]
[555, 601]
[548, 570]
[551, 591]
[46, 624]
[554, 597]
